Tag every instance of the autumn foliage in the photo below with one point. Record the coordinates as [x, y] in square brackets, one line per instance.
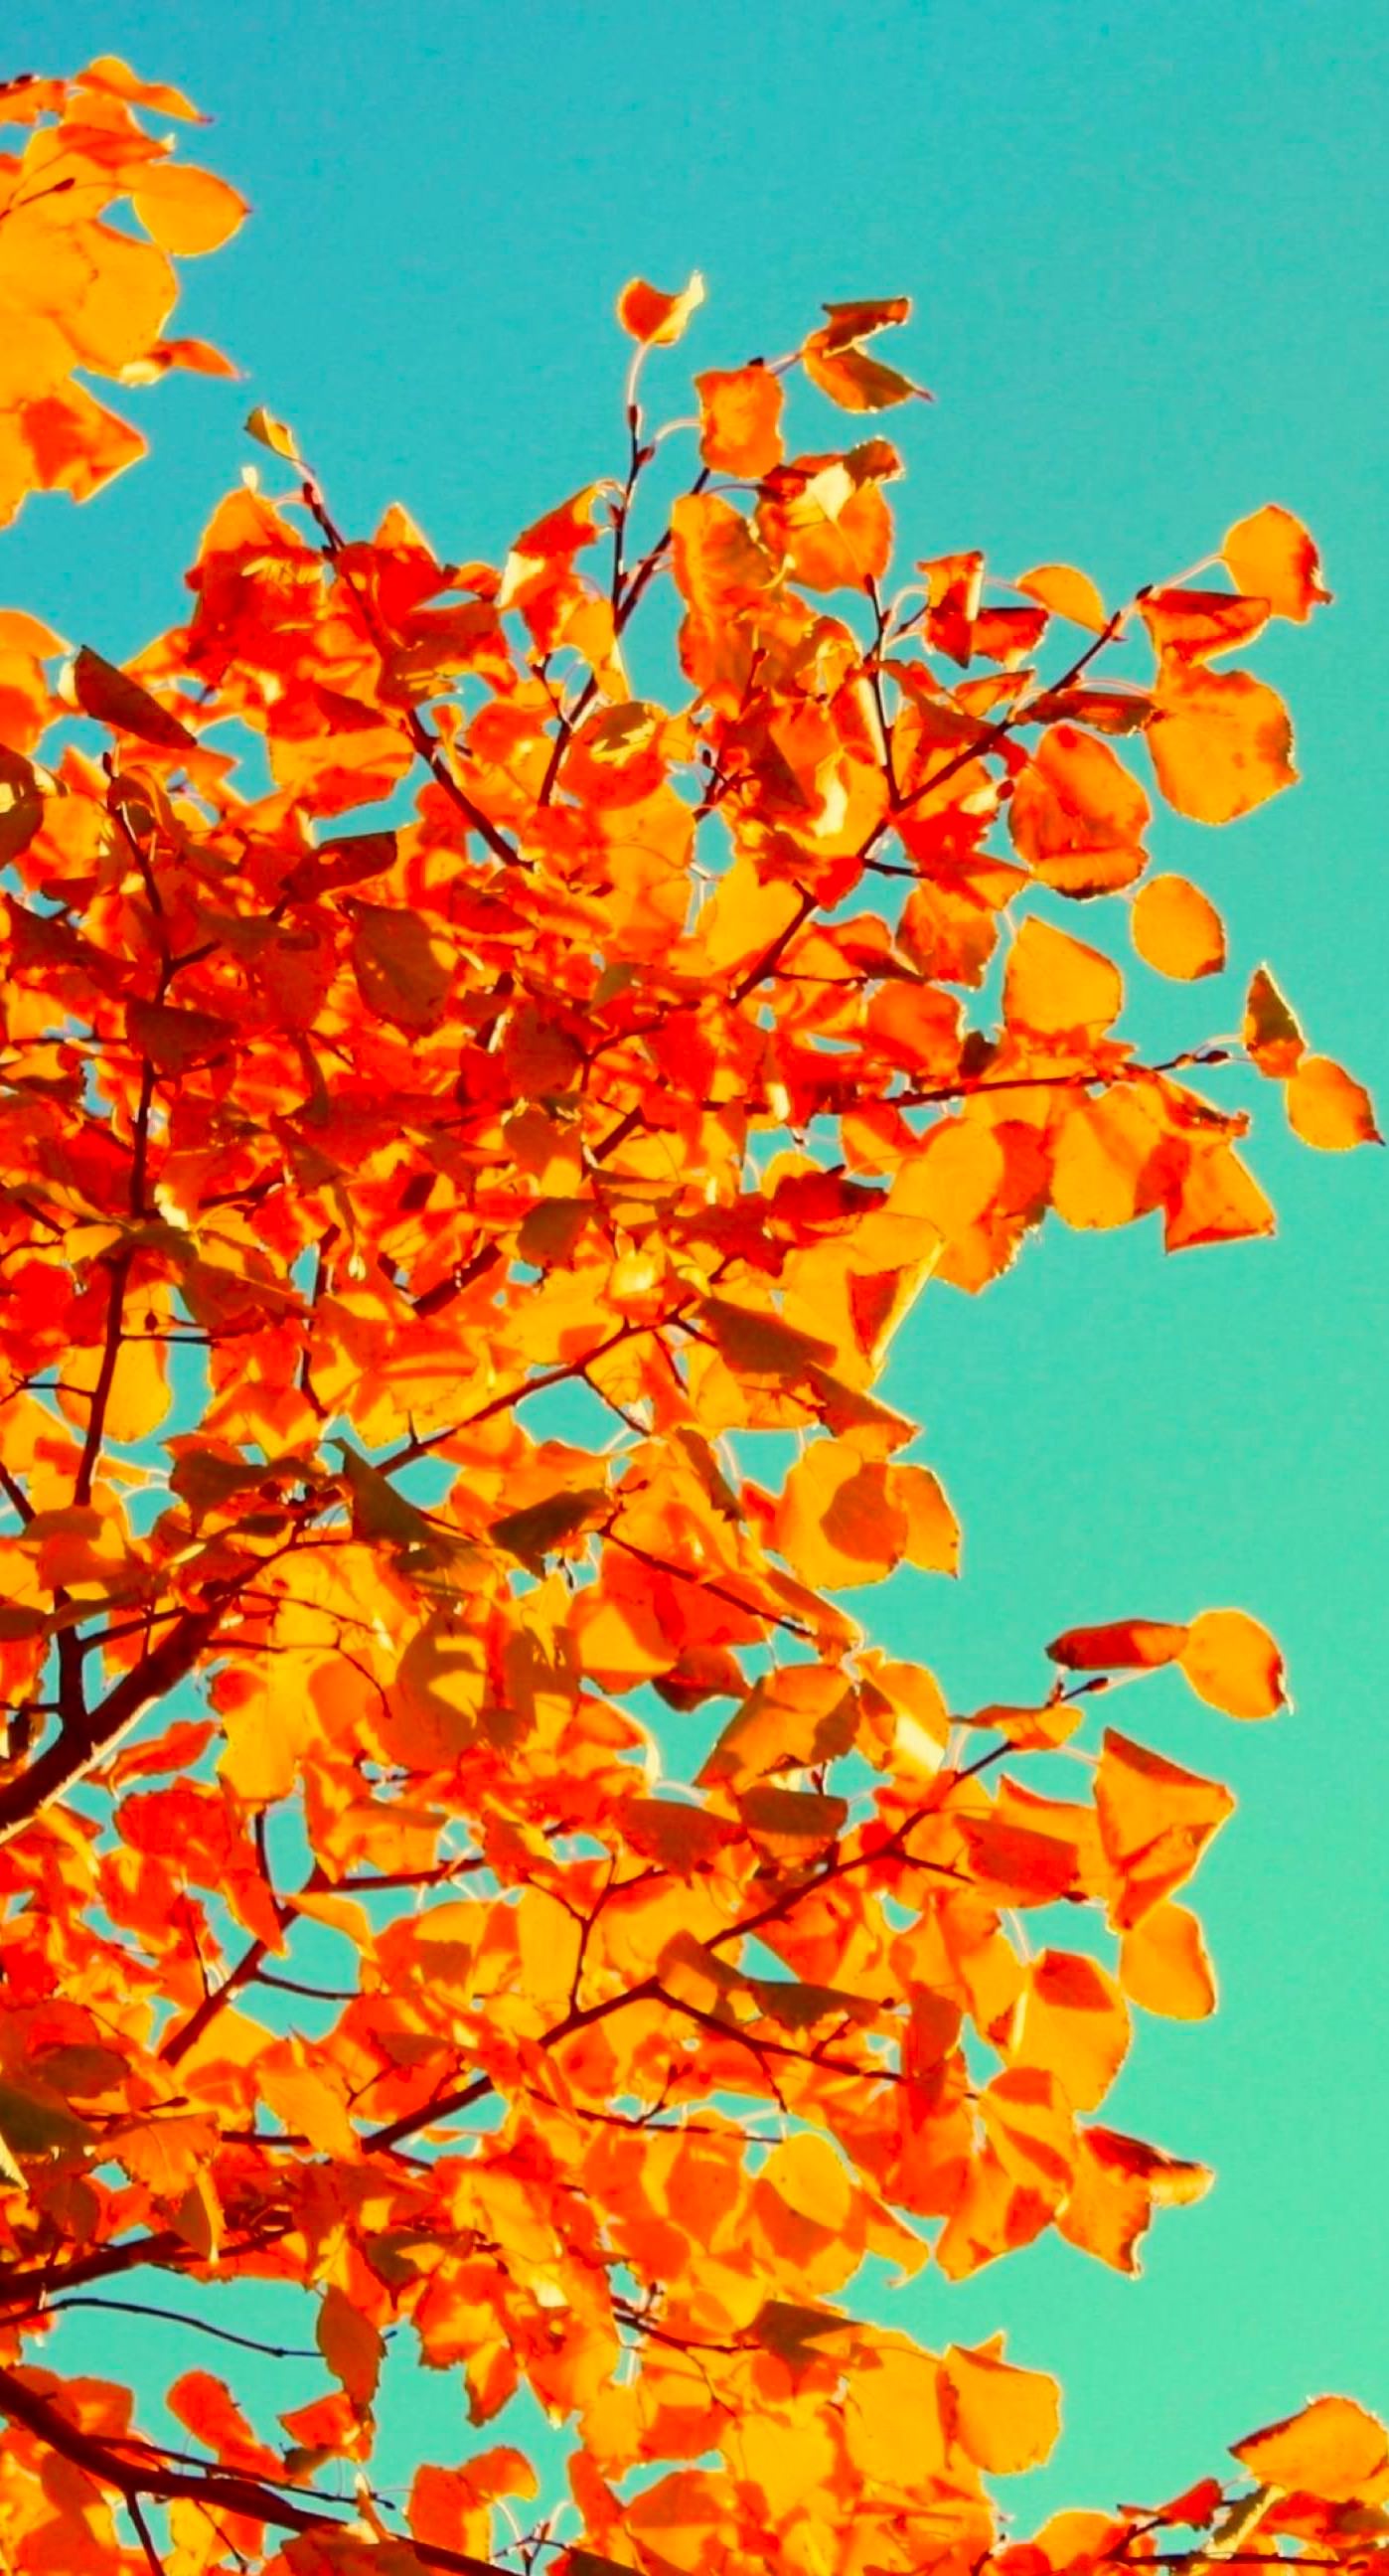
[460, 1862]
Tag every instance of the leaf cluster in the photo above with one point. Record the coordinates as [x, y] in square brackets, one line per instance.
[482, 1877]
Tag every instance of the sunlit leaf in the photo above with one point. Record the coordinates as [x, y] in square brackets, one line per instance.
[655, 318]
[1233, 1662]
[1177, 929]
[1271, 556]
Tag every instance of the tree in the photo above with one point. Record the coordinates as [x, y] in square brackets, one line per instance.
[353, 1938]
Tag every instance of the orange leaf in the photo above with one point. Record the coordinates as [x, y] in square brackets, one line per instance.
[740, 420]
[1177, 930]
[1196, 625]
[107, 73]
[859, 319]
[1164, 1967]
[443, 2511]
[1328, 1108]
[791, 1720]
[1122, 1645]
[205, 2405]
[853, 379]
[1111, 1160]
[932, 1531]
[1221, 742]
[1074, 2024]
[1077, 815]
[1333, 2448]
[1155, 1821]
[655, 319]
[176, 1040]
[350, 2344]
[1215, 1200]
[1005, 2418]
[760, 1344]
[187, 210]
[1066, 593]
[1234, 1664]
[1271, 556]
[404, 968]
[1056, 986]
[1118, 2184]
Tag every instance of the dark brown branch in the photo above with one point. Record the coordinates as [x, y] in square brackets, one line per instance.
[805, 905]
[145, 2536]
[74, 1752]
[180, 2317]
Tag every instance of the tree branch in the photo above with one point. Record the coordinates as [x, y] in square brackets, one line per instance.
[147, 2473]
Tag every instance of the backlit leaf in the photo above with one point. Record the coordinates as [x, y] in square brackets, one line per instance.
[1272, 1038]
[350, 2344]
[654, 318]
[403, 968]
[1164, 1967]
[1221, 742]
[1005, 2418]
[109, 694]
[274, 434]
[1271, 556]
[740, 412]
[1177, 929]
[1332, 2448]
[1122, 1645]
[1328, 1108]
[1066, 593]
[1055, 985]
[1233, 1663]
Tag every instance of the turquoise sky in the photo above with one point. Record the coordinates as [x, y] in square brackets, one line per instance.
[1147, 249]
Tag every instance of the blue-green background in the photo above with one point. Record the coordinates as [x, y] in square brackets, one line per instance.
[1146, 246]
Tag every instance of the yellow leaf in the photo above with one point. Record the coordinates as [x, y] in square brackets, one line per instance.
[1066, 593]
[1177, 930]
[1271, 556]
[1328, 1108]
[1074, 2025]
[1163, 1965]
[1056, 986]
[854, 380]
[187, 210]
[1005, 2418]
[933, 1533]
[274, 434]
[1332, 2448]
[1233, 1663]
[1221, 742]
[308, 2103]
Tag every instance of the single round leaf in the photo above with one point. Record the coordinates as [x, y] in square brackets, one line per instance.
[1272, 556]
[1234, 1664]
[1328, 1108]
[1221, 742]
[655, 319]
[1177, 930]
